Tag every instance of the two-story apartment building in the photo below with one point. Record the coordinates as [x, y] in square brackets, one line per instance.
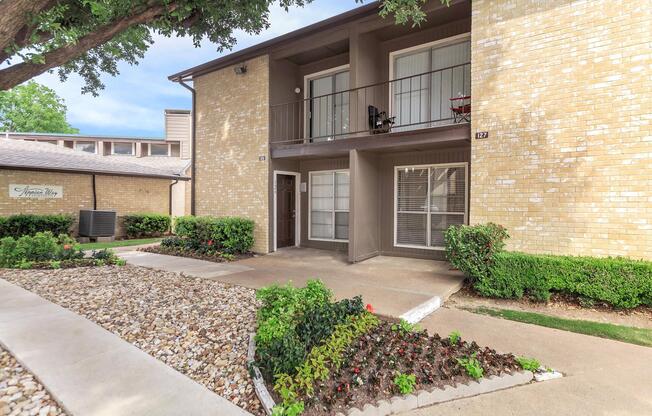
[357, 134]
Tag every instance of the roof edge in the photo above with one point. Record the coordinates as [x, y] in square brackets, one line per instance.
[93, 172]
[260, 48]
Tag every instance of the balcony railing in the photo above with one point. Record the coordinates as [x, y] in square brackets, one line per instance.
[430, 99]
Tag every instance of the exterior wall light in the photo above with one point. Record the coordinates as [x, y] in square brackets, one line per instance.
[240, 69]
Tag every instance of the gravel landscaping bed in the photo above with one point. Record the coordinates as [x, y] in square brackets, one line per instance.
[20, 392]
[198, 327]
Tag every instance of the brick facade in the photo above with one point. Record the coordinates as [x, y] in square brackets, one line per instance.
[125, 194]
[564, 89]
[231, 139]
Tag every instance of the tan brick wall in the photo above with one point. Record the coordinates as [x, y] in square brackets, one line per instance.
[564, 89]
[232, 133]
[125, 194]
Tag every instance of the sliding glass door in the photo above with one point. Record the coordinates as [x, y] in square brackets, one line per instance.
[328, 106]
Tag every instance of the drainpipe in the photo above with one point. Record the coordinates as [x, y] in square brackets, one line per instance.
[193, 151]
[176, 181]
[94, 194]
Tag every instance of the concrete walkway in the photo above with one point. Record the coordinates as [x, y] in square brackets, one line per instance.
[395, 286]
[92, 372]
[603, 377]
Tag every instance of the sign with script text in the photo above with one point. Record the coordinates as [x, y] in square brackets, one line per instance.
[35, 191]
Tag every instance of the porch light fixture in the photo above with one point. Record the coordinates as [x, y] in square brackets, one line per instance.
[240, 69]
[297, 90]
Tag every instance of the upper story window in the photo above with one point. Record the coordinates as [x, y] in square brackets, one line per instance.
[89, 147]
[427, 77]
[328, 104]
[156, 149]
[122, 148]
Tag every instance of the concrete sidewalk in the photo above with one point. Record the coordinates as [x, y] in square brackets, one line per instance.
[91, 371]
[602, 377]
[395, 286]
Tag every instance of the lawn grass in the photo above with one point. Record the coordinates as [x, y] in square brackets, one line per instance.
[119, 243]
[629, 334]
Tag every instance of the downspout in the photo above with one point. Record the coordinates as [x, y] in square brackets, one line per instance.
[94, 194]
[193, 151]
[176, 181]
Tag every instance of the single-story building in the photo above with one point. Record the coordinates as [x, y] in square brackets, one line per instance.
[38, 178]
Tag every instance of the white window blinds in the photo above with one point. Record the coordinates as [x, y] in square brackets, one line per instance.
[429, 199]
[329, 205]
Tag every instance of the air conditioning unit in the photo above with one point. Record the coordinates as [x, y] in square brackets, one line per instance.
[96, 223]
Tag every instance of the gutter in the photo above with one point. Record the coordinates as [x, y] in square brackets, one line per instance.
[193, 140]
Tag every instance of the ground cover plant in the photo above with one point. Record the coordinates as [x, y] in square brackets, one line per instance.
[478, 252]
[47, 251]
[322, 357]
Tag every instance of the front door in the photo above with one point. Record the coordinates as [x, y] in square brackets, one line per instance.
[285, 210]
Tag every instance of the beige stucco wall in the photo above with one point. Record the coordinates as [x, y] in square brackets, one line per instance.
[231, 137]
[125, 194]
[564, 89]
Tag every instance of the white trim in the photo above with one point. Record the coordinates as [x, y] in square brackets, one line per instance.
[333, 171]
[427, 214]
[297, 206]
[133, 149]
[306, 80]
[429, 45]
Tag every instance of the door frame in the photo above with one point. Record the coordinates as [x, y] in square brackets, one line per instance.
[297, 203]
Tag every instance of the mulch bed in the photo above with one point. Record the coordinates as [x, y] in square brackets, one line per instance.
[372, 363]
[179, 252]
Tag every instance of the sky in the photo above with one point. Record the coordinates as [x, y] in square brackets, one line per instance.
[132, 103]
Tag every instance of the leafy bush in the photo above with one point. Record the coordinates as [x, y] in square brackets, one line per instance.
[228, 234]
[478, 252]
[319, 321]
[28, 224]
[620, 282]
[146, 225]
[405, 383]
[471, 248]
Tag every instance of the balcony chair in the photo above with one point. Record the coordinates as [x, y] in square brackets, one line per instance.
[461, 108]
[378, 121]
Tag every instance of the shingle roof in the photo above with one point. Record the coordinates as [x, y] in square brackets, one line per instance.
[18, 154]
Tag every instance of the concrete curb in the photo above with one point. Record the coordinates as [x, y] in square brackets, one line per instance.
[259, 383]
[424, 398]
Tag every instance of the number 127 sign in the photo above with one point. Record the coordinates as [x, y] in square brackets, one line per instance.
[482, 135]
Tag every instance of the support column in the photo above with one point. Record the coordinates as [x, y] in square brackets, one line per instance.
[364, 206]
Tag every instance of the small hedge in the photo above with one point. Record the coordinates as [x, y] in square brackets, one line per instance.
[146, 225]
[28, 224]
[478, 252]
[228, 234]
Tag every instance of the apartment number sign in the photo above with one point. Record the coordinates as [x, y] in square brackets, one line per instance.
[482, 135]
[35, 191]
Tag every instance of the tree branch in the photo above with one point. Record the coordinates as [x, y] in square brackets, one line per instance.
[21, 72]
[14, 15]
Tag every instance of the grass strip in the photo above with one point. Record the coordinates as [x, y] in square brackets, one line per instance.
[629, 334]
[119, 243]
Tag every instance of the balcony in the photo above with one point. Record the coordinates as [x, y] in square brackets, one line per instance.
[404, 105]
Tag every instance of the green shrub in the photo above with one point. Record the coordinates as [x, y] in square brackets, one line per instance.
[405, 383]
[28, 224]
[471, 248]
[146, 225]
[620, 282]
[229, 234]
[319, 321]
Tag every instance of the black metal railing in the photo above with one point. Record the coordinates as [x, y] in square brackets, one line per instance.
[425, 100]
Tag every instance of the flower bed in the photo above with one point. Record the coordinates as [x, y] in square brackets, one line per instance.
[323, 357]
[215, 256]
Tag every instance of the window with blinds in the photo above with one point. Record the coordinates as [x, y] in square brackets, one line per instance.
[429, 199]
[329, 205]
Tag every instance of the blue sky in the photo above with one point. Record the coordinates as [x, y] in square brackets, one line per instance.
[133, 102]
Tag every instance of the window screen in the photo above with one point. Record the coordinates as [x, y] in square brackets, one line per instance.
[429, 200]
[329, 205]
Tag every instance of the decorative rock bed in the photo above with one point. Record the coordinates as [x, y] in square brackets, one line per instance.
[20, 392]
[198, 327]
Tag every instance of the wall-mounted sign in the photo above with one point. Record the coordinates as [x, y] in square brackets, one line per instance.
[35, 191]
[482, 135]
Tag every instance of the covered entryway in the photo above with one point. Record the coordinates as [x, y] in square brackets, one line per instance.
[286, 207]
